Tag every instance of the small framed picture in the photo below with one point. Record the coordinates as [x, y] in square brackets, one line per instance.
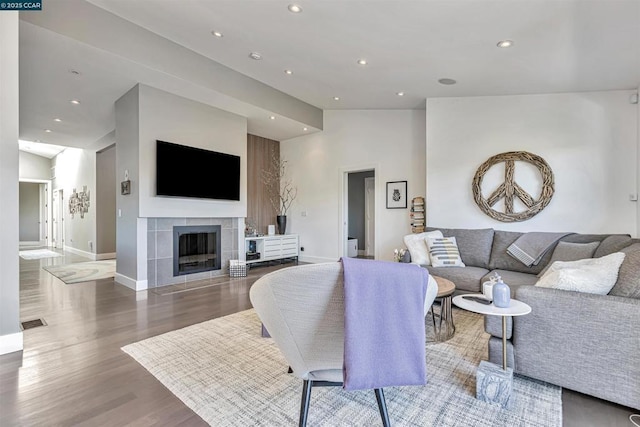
[125, 187]
[397, 195]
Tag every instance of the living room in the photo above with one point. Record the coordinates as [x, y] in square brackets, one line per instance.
[433, 136]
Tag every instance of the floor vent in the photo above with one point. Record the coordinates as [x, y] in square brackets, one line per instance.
[30, 324]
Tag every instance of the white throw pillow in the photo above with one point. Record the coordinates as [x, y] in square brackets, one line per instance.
[418, 247]
[444, 252]
[567, 251]
[593, 275]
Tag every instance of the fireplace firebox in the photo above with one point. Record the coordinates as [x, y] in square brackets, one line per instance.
[196, 249]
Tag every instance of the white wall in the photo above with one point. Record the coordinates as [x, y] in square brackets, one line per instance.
[179, 120]
[391, 141]
[10, 334]
[144, 115]
[590, 140]
[638, 169]
[105, 200]
[127, 244]
[76, 168]
[32, 166]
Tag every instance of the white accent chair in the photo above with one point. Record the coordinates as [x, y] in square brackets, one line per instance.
[302, 307]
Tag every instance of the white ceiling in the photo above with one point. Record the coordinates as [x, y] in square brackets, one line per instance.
[39, 149]
[560, 46]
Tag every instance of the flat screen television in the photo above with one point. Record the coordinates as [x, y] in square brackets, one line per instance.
[183, 171]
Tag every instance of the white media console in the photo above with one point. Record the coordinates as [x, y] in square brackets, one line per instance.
[271, 248]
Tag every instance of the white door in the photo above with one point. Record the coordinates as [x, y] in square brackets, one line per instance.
[58, 219]
[44, 206]
[370, 216]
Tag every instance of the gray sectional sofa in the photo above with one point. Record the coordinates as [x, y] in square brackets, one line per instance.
[585, 342]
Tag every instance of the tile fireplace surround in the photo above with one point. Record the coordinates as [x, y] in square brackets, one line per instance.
[160, 249]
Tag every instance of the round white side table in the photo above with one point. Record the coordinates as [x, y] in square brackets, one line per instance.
[516, 308]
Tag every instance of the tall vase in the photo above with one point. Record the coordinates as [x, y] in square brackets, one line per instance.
[282, 223]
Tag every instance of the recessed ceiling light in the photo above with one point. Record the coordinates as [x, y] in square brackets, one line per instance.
[294, 8]
[447, 81]
[48, 130]
[217, 34]
[305, 129]
[336, 98]
[75, 101]
[400, 93]
[255, 55]
[272, 117]
[362, 62]
[505, 43]
[57, 120]
[289, 72]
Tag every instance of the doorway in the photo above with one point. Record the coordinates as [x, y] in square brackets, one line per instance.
[360, 213]
[34, 212]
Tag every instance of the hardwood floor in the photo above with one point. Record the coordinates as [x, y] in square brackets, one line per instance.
[72, 371]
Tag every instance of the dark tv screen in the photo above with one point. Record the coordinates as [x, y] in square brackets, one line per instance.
[183, 171]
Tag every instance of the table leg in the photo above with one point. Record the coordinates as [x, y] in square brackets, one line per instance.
[444, 328]
[504, 342]
[446, 315]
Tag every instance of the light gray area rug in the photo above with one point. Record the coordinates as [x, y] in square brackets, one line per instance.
[230, 376]
[83, 271]
[38, 254]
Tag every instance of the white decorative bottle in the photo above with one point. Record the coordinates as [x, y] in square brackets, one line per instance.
[487, 288]
[501, 294]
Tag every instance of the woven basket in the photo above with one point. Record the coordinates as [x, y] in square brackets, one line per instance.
[238, 270]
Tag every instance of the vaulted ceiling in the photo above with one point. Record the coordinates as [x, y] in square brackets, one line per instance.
[95, 51]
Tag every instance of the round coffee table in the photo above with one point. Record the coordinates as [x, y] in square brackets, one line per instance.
[444, 329]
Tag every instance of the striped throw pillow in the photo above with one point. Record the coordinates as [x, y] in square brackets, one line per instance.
[443, 252]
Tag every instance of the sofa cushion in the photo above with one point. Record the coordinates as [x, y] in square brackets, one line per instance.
[493, 326]
[567, 251]
[612, 244]
[513, 278]
[418, 246]
[628, 284]
[466, 279]
[443, 252]
[593, 275]
[501, 260]
[474, 245]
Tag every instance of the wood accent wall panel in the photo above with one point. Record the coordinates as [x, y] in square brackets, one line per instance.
[259, 208]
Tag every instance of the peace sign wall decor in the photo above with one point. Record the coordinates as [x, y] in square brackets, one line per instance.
[510, 189]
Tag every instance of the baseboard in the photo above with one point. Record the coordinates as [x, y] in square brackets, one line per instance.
[316, 259]
[91, 255]
[80, 252]
[106, 255]
[10, 343]
[136, 285]
[29, 243]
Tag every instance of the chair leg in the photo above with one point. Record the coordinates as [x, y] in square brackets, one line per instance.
[382, 405]
[304, 405]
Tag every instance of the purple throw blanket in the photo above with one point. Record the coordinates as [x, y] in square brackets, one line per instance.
[384, 335]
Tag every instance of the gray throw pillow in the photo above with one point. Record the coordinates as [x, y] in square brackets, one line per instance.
[628, 284]
[566, 251]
